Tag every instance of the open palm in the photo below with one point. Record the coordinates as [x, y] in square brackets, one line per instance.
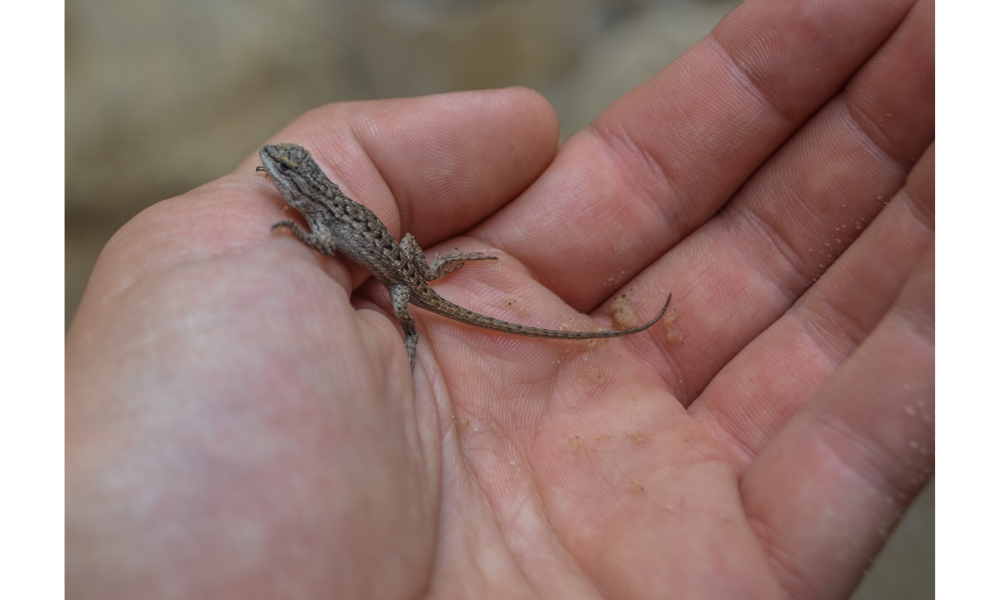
[242, 420]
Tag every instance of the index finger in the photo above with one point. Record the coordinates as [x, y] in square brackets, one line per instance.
[432, 166]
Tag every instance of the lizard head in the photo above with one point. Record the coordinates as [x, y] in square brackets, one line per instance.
[296, 175]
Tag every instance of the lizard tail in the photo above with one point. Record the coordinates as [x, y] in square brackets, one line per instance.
[464, 315]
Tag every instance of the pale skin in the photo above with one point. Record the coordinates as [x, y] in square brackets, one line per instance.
[242, 420]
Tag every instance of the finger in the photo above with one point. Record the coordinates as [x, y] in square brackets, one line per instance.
[827, 491]
[739, 273]
[807, 205]
[432, 166]
[661, 161]
[753, 397]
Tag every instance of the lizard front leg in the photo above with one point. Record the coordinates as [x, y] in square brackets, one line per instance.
[322, 245]
[441, 265]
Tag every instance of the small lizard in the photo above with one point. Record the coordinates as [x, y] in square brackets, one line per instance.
[339, 223]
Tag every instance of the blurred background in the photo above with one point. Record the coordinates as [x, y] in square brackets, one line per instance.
[163, 96]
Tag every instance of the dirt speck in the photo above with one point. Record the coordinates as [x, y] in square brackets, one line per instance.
[623, 313]
[636, 436]
[674, 335]
[590, 377]
[516, 306]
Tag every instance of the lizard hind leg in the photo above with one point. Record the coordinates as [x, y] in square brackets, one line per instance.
[400, 300]
[441, 265]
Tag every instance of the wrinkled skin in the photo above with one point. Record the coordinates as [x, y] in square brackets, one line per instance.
[241, 417]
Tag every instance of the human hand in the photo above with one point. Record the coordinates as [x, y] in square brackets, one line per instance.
[241, 416]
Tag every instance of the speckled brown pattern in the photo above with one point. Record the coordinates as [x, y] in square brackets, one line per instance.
[338, 223]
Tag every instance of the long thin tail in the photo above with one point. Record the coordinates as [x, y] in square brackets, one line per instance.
[464, 315]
